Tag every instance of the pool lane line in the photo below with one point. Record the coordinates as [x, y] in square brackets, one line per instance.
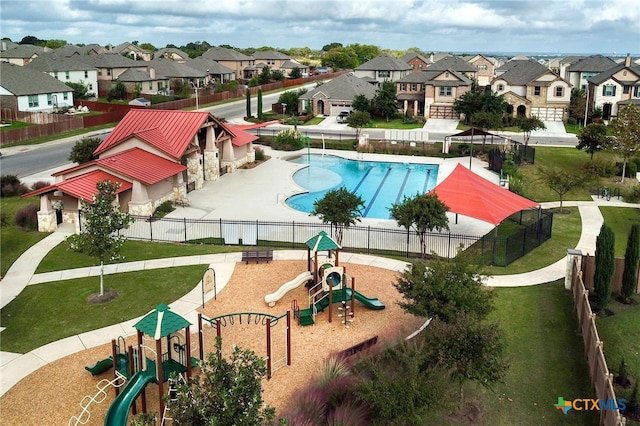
[375, 194]
[404, 183]
[426, 182]
[362, 179]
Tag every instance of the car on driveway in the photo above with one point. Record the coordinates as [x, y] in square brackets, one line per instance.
[342, 117]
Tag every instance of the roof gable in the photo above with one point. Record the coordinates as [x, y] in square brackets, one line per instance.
[84, 187]
[345, 87]
[141, 165]
[454, 63]
[384, 63]
[594, 63]
[23, 81]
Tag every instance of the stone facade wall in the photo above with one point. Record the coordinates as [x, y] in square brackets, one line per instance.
[211, 165]
[194, 171]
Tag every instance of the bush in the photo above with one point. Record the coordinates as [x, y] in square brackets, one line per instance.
[259, 154]
[39, 185]
[632, 195]
[27, 218]
[630, 171]
[288, 140]
[602, 168]
[572, 121]
[10, 186]
[163, 209]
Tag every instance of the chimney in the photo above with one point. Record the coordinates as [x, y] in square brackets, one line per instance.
[627, 60]
[152, 73]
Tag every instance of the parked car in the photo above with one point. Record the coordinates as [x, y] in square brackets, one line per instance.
[342, 117]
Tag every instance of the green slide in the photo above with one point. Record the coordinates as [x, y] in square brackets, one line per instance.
[118, 413]
[371, 303]
[100, 366]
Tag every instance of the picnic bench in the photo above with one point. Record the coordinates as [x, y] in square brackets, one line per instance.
[257, 256]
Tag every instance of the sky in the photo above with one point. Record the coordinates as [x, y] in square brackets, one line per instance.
[610, 27]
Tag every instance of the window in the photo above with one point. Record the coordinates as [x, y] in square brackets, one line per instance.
[608, 90]
[424, 87]
[55, 74]
[66, 75]
[384, 74]
[150, 85]
[33, 101]
[49, 99]
[482, 67]
[419, 65]
[536, 91]
[626, 89]
[500, 87]
[108, 71]
[636, 92]
[414, 87]
[86, 74]
[445, 91]
[99, 71]
[65, 95]
[403, 87]
[559, 91]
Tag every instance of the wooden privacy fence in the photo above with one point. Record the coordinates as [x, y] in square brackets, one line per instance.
[588, 270]
[601, 378]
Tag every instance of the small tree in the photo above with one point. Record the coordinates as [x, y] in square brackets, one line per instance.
[605, 243]
[358, 120]
[291, 98]
[472, 350]
[248, 96]
[265, 75]
[295, 73]
[361, 103]
[103, 219]
[626, 128]
[229, 392]
[561, 181]
[385, 100]
[80, 90]
[423, 212]
[260, 112]
[82, 151]
[339, 207]
[593, 138]
[528, 125]
[443, 289]
[631, 258]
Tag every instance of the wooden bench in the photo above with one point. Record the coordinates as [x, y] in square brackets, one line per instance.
[257, 256]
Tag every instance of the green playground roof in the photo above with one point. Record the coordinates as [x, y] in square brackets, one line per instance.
[322, 242]
[161, 322]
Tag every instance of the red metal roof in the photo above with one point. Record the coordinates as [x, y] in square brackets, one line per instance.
[240, 137]
[141, 165]
[169, 131]
[84, 186]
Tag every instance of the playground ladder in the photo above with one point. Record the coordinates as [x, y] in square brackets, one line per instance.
[99, 396]
[171, 393]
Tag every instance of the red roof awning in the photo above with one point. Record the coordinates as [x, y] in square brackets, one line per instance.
[83, 187]
[468, 194]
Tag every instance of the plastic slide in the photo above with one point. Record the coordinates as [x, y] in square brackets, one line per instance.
[371, 303]
[100, 366]
[272, 298]
[118, 412]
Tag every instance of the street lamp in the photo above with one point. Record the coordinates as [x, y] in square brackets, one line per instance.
[196, 89]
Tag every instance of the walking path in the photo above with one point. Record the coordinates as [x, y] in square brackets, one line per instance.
[14, 367]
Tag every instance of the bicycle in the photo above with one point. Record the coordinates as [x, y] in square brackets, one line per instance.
[606, 194]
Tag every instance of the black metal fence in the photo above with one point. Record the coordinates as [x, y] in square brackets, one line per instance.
[360, 239]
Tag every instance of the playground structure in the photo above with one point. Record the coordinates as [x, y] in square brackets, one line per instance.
[331, 285]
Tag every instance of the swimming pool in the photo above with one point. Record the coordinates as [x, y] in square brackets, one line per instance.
[380, 184]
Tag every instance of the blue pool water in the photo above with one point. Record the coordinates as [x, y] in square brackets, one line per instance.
[379, 184]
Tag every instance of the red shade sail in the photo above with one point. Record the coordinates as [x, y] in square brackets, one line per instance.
[468, 194]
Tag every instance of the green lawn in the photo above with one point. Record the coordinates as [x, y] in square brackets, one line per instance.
[620, 221]
[396, 123]
[545, 353]
[48, 312]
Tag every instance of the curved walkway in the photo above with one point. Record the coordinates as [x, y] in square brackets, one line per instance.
[14, 367]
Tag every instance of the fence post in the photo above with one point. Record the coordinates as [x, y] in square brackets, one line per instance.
[368, 239]
[150, 229]
[449, 247]
[184, 221]
[408, 243]
[293, 234]
[221, 236]
[80, 220]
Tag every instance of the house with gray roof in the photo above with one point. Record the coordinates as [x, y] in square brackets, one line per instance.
[336, 95]
[132, 51]
[614, 88]
[455, 63]
[242, 65]
[579, 72]
[172, 53]
[22, 54]
[93, 49]
[382, 68]
[532, 90]
[431, 93]
[110, 66]
[68, 69]
[27, 89]
[216, 72]
[416, 61]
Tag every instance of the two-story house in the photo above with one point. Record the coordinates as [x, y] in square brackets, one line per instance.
[532, 89]
[383, 68]
[110, 66]
[485, 68]
[132, 51]
[336, 95]
[431, 93]
[242, 65]
[579, 72]
[172, 53]
[71, 69]
[27, 89]
[416, 61]
[614, 88]
[457, 64]
[22, 54]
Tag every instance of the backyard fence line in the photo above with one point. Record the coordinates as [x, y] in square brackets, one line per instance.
[361, 239]
[601, 378]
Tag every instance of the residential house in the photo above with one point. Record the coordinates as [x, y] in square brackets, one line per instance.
[579, 72]
[110, 66]
[241, 64]
[93, 49]
[6, 45]
[383, 68]
[532, 90]
[167, 69]
[132, 51]
[22, 54]
[457, 64]
[172, 53]
[144, 82]
[431, 93]
[271, 58]
[485, 68]
[216, 73]
[416, 61]
[72, 69]
[336, 95]
[27, 89]
[156, 156]
[614, 88]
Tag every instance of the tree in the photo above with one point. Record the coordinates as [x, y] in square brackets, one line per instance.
[248, 96]
[605, 243]
[295, 73]
[631, 258]
[384, 102]
[265, 75]
[365, 52]
[340, 58]
[486, 121]
[470, 349]
[82, 151]
[291, 98]
[277, 75]
[528, 125]
[443, 289]
[423, 212]
[577, 104]
[102, 221]
[118, 91]
[328, 47]
[361, 103]
[339, 207]
[358, 120]
[593, 138]
[626, 128]
[229, 392]
[260, 112]
[562, 180]
[478, 99]
[80, 90]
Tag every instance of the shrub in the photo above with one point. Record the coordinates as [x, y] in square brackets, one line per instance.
[27, 217]
[260, 154]
[632, 195]
[572, 121]
[39, 185]
[605, 243]
[601, 168]
[516, 184]
[10, 186]
[288, 140]
[630, 170]
[164, 208]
